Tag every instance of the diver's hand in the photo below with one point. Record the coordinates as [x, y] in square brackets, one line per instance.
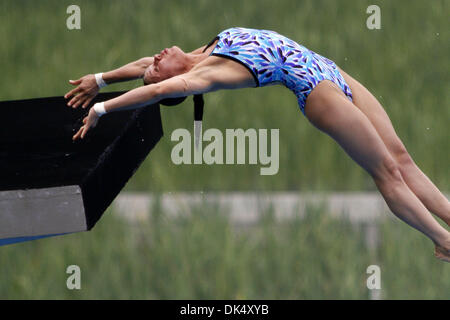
[89, 122]
[85, 91]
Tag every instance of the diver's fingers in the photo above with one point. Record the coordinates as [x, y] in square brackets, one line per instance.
[78, 134]
[72, 92]
[86, 103]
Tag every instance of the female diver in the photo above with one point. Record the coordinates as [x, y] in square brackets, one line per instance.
[333, 102]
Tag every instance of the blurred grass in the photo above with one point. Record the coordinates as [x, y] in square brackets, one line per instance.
[405, 65]
[202, 256]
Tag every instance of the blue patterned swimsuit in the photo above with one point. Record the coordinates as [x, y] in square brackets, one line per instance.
[273, 58]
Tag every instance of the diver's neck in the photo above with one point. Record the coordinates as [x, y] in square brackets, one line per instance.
[194, 59]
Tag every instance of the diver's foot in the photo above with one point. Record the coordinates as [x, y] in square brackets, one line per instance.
[442, 253]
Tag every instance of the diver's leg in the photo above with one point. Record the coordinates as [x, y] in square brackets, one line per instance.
[417, 181]
[328, 109]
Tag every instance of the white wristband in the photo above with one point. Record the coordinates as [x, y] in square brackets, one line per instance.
[99, 79]
[99, 108]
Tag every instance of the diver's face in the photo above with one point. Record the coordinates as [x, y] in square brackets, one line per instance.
[166, 64]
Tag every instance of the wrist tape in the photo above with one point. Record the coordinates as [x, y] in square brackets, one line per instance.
[99, 108]
[99, 79]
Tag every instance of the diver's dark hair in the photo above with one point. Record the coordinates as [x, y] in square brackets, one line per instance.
[198, 104]
[172, 101]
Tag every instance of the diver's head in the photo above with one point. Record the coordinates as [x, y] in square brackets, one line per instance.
[168, 63]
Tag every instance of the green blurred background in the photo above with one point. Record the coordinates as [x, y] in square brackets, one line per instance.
[405, 65]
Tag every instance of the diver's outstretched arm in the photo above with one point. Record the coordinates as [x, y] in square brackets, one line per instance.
[212, 74]
[87, 87]
[131, 71]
